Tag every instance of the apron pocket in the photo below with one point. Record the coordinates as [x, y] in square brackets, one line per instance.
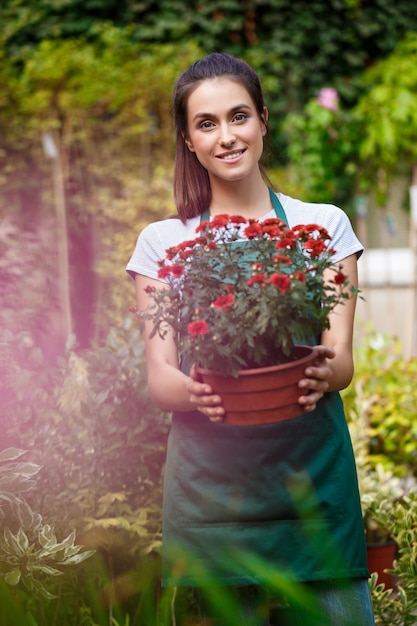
[277, 472]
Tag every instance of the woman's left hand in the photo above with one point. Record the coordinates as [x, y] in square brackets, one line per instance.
[316, 381]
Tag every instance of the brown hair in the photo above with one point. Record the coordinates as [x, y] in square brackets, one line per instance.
[192, 191]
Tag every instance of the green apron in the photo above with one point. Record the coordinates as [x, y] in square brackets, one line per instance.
[242, 504]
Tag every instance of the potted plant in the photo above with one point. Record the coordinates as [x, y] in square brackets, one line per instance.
[376, 485]
[240, 307]
[398, 606]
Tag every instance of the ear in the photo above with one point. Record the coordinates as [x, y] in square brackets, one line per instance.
[188, 143]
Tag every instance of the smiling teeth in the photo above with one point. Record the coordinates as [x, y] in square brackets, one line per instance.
[229, 157]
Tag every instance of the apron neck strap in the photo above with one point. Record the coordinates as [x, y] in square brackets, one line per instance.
[278, 208]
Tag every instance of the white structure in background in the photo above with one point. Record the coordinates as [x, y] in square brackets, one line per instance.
[388, 280]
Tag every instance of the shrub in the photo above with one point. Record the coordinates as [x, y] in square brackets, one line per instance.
[384, 390]
[30, 552]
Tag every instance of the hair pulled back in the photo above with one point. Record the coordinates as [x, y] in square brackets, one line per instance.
[192, 191]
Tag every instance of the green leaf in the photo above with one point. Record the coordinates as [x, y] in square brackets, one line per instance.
[36, 585]
[13, 577]
[44, 569]
[77, 558]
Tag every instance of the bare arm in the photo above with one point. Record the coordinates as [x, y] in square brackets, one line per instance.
[167, 384]
[336, 345]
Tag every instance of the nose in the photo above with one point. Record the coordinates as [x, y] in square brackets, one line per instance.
[227, 138]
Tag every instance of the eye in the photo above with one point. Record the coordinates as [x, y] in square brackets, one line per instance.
[240, 117]
[206, 125]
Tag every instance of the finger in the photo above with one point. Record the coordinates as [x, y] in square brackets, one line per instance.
[314, 384]
[309, 402]
[205, 400]
[324, 352]
[215, 414]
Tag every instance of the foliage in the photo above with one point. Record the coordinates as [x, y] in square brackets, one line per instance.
[376, 484]
[89, 422]
[381, 426]
[384, 391]
[29, 550]
[107, 106]
[387, 114]
[310, 56]
[105, 440]
[389, 501]
[397, 607]
[322, 148]
[224, 284]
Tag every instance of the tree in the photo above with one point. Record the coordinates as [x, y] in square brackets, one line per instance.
[107, 103]
[387, 114]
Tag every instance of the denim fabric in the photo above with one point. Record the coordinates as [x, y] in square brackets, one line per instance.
[336, 603]
[330, 603]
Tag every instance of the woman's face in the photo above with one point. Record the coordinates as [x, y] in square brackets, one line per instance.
[224, 129]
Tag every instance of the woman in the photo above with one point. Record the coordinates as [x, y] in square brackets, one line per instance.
[247, 506]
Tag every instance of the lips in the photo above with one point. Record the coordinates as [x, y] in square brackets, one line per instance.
[230, 156]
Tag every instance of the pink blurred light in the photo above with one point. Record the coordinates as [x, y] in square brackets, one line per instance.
[328, 98]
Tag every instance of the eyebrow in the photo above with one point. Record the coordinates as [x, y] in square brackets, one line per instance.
[234, 109]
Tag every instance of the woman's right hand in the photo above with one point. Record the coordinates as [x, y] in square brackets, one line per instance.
[201, 394]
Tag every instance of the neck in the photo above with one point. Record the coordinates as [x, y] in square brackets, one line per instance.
[249, 199]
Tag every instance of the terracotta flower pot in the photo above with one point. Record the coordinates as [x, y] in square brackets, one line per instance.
[262, 395]
[381, 557]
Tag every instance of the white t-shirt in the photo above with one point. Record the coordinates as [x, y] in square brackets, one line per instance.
[155, 238]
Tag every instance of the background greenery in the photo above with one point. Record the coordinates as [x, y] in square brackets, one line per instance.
[96, 76]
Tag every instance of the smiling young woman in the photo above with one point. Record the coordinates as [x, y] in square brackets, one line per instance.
[244, 505]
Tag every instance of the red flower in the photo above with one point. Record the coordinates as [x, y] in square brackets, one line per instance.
[219, 221]
[257, 266]
[314, 247]
[309, 229]
[184, 254]
[253, 230]
[301, 276]
[288, 240]
[281, 258]
[150, 289]
[224, 302]
[177, 270]
[237, 219]
[273, 230]
[339, 278]
[164, 271]
[274, 221]
[199, 327]
[282, 281]
[257, 279]
[190, 243]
